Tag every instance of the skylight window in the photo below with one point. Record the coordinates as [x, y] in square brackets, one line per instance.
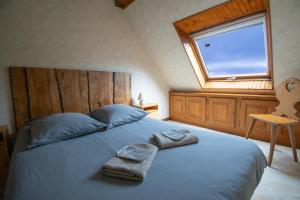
[234, 50]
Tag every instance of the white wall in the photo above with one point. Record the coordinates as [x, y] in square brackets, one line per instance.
[153, 21]
[91, 34]
[285, 17]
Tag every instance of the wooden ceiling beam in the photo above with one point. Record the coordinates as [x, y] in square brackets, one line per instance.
[123, 3]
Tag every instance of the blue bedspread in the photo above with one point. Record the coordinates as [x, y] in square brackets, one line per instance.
[218, 167]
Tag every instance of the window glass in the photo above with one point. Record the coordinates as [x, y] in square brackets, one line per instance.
[238, 51]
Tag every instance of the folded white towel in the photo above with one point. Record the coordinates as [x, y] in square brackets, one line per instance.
[135, 152]
[166, 142]
[175, 135]
[129, 169]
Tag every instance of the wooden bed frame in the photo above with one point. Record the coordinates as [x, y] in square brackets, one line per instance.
[39, 92]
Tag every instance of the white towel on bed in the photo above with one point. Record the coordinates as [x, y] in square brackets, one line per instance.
[166, 142]
[175, 135]
[135, 152]
[129, 169]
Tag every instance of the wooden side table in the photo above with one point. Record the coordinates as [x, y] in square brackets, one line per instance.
[151, 108]
[4, 155]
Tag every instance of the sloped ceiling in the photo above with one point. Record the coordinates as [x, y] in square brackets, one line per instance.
[153, 22]
[74, 34]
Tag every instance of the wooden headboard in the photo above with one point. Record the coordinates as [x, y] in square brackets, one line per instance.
[39, 92]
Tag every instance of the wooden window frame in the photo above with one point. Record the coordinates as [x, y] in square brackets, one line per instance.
[228, 12]
[232, 26]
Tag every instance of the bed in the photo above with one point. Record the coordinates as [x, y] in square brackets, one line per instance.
[218, 167]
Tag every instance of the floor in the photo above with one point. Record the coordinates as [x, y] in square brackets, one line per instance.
[279, 182]
[282, 180]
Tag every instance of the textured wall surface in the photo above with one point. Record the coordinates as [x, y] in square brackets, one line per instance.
[90, 34]
[153, 21]
[96, 35]
[286, 41]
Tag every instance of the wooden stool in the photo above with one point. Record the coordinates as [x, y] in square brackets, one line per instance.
[275, 122]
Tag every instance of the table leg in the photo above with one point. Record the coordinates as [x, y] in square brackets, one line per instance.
[250, 128]
[293, 141]
[272, 143]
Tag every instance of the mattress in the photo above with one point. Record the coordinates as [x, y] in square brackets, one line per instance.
[218, 167]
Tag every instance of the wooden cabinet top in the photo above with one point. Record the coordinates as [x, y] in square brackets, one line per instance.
[147, 106]
[270, 97]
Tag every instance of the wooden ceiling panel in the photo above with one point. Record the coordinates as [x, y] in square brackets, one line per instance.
[221, 13]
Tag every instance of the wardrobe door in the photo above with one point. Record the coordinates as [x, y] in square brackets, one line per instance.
[221, 112]
[177, 107]
[196, 109]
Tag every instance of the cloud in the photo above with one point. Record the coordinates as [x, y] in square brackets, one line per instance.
[234, 68]
[241, 64]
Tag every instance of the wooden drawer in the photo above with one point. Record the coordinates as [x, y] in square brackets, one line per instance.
[177, 107]
[196, 109]
[221, 112]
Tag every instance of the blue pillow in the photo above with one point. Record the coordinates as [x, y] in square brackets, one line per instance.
[117, 114]
[60, 127]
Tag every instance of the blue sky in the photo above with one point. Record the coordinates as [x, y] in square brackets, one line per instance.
[235, 52]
